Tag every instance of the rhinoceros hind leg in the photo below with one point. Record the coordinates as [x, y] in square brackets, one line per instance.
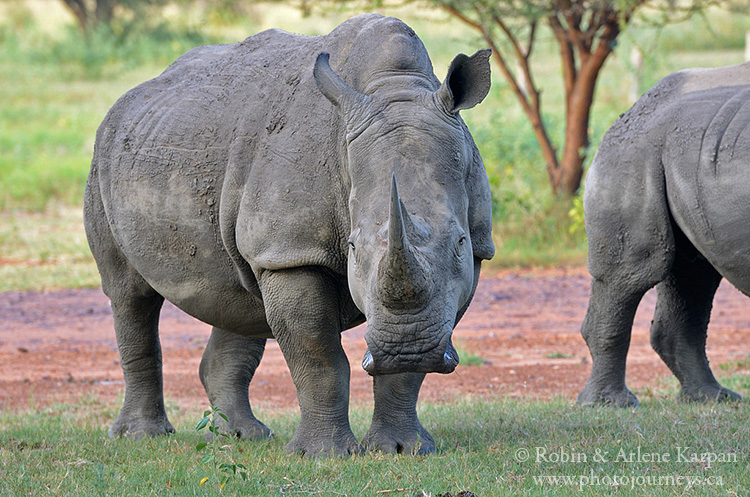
[395, 426]
[678, 332]
[228, 365]
[303, 308]
[136, 320]
[607, 330]
[631, 248]
[135, 309]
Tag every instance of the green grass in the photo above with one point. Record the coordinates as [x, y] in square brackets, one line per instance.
[482, 448]
[467, 358]
[56, 89]
[734, 365]
[559, 355]
[45, 250]
[58, 86]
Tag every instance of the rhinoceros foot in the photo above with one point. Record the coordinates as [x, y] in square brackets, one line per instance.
[592, 396]
[247, 429]
[399, 439]
[709, 393]
[134, 427]
[308, 444]
[242, 427]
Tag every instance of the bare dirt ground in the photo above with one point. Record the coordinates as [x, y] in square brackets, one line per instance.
[60, 346]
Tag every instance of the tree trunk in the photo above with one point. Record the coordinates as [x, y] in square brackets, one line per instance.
[80, 12]
[104, 11]
[580, 84]
[570, 170]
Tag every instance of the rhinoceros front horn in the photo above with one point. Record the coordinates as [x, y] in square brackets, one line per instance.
[403, 277]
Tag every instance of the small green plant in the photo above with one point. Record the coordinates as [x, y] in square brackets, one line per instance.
[224, 471]
[576, 216]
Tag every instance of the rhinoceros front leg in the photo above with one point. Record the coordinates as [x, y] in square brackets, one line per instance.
[228, 365]
[395, 426]
[136, 326]
[678, 332]
[303, 309]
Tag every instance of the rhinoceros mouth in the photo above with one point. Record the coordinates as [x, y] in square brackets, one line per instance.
[443, 358]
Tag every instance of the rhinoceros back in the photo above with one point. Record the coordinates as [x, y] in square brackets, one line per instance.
[707, 169]
[691, 134]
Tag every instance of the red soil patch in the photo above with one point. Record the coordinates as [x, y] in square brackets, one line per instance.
[59, 346]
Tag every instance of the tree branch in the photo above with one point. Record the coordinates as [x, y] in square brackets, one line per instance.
[572, 14]
[530, 107]
[532, 35]
[523, 60]
[460, 15]
[80, 12]
[502, 63]
[567, 57]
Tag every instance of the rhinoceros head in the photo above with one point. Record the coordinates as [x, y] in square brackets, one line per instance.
[419, 209]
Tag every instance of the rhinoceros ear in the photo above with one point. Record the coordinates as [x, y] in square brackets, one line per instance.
[343, 96]
[467, 82]
[480, 209]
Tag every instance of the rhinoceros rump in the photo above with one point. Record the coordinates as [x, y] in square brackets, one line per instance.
[667, 203]
[275, 191]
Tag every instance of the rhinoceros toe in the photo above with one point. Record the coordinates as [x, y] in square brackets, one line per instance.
[709, 393]
[623, 397]
[324, 447]
[245, 428]
[137, 428]
[255, 431]
[399, 440]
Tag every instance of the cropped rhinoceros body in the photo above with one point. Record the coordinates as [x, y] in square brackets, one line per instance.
[269, 195]
[667, 203]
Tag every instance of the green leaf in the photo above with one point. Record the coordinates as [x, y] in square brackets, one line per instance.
[207, 458]
[202, 424]
[201, 446]
[224, 417]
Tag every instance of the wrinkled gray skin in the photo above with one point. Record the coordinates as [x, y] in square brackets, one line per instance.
[667, 203]
[272, 193]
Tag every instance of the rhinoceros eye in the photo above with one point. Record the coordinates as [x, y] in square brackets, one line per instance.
[461, 246]
[352, 236]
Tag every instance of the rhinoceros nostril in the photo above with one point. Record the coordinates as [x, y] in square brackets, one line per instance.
[368, 364]
[450, 359]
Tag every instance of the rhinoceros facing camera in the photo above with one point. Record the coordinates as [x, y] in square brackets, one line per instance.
[292, 187]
